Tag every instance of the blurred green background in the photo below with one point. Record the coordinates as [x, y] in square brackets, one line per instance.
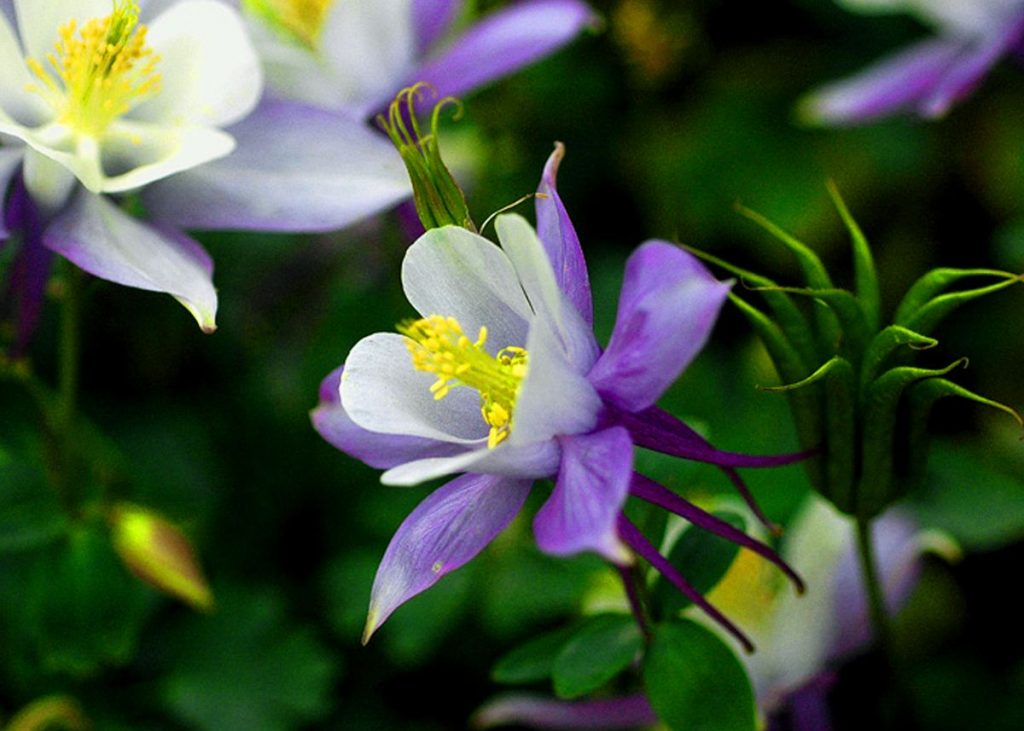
[671, 114]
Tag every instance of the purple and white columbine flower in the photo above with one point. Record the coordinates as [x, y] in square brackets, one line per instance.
[930, 76]
[354, 55]
[501, 380]
[102, 98]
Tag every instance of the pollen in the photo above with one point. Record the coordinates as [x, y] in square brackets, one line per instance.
[98, 71]
[302, 20]
[438, 345]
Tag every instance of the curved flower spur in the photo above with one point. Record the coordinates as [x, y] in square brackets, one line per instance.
[501, 381]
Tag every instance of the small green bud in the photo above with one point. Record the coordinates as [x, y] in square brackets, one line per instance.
[49, 714]
[159, 554]
[439, 199]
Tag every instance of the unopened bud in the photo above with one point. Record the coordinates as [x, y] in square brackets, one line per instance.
[158, 553]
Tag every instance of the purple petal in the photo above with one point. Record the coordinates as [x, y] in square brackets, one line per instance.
[541, 712]
[656, 494]
[639, 543]
[504, 42]
[30, 270]
[592, 485]
[892, 85]
[98, 237]
[668, 305]
[10, 159]
[296, 168]
[382, 451]
[444, 532]
[970, 68]
[431, 19]
[556, 232]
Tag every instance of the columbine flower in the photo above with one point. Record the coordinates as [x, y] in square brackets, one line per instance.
[799, 641]
[354, 55]
[930, 76]
[98, 100]
[501, 379]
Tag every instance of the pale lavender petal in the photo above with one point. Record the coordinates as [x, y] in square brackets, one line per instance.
[592, 486]
[892, 85]
[431, 19]
[444, 532]
[504, 42]
[296, 168]
[101, 239]
[541, 712]
[970, 68]
[560, 241]
[382, 451]
[668, 305]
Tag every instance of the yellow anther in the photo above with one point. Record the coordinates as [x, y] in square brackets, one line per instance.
[99, 70]
[438, 345]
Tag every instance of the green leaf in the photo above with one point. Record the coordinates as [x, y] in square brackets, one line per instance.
[700, 556]
[532, 661]
[597, 652]
[695, 682]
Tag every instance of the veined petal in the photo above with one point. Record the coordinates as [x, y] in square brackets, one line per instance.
[94, 234]
[535, 274]
[504, 42]
[295, 168]
[891, 85]
[592, 485]
[210, 74]
[451, 272]
[444, 532]
[535, 460]
[431, 19]
[369, 45]
[383, 392]
[969, 69]
[40, 22]
[16, 102]
[554, 399]
[375, 449]
[556, 232]
[668, 305]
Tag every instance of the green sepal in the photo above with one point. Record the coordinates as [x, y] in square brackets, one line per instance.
[864, 272]
[922, 397]
[887, 344]
[924, 305]
[881, 400]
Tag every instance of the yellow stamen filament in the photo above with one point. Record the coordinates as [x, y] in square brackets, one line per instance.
[98, 71]
[438, 345]
[301, 19]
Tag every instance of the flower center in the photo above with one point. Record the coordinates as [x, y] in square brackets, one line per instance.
[438, 345]
[302, 20]
[98, 71]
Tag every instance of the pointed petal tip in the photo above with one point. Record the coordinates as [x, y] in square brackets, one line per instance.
[373, 623]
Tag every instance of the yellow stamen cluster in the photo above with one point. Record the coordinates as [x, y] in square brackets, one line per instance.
[303, 20]
[103, 69]
[438, 345]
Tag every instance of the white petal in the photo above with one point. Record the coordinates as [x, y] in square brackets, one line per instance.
[98, 237]
[554, 398]
[452, 272]
[41, 20]
[148, 152]
[383, 392]
[531, 461]
[210, 74]
[534, 271]
[49, 182]
[370, 46]
[16, 102]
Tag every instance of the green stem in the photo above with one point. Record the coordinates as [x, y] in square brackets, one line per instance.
[876, 595]
[69, 351]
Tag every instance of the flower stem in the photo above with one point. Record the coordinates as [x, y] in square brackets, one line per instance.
[636, 602]
[70, 345]
[875, 594]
